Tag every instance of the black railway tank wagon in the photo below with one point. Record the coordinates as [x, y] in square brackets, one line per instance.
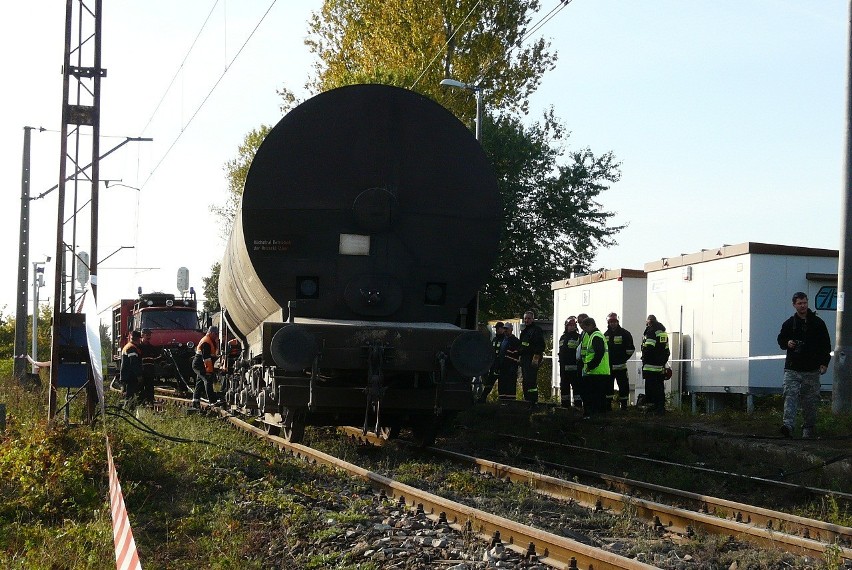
[369, 222]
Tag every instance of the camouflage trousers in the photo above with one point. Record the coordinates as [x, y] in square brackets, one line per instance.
[801, 388]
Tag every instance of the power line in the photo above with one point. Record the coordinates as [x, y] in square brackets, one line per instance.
[537, 26]
[180, 67]
[440, 51]
[212, 89]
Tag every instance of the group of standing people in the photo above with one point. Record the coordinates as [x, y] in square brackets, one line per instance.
[512, 353]
[592, 362]
[137, 369]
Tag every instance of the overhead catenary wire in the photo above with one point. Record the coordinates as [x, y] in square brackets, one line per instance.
[537, 26]
[440, 51]
[212, 89]
[180, 67]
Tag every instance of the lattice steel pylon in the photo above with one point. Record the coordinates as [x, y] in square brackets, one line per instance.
[81, 99]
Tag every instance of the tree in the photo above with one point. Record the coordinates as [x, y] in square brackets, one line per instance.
[211, 290]
[552, 220]
[236, 171]
[395, 42]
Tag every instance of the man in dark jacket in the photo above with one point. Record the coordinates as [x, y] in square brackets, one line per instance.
[568, 374]
[805, 338]
[494, 373]
[620, 344]
[131, 368]
[148, 354]
[655, 354]
[532, 351]
[509, 358]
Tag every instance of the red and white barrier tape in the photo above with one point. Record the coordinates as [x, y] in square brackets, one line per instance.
[126, 556]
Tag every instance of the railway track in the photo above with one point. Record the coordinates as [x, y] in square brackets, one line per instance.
[715, 516]
[708, 514]
[530, 543]
[748, 479]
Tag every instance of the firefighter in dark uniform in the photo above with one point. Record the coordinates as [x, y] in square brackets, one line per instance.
[620, 344]
[568, 374]
[655, 355]
[509, 359]
[131, 367]
[202, 365]
[494, 373]
[148, 353]
[532, 351]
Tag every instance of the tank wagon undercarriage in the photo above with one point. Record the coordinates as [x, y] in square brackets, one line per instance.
[379, 376]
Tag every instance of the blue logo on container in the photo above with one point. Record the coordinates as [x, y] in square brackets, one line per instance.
[826, 298]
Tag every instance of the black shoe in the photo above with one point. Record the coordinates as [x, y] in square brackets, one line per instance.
[786, 431]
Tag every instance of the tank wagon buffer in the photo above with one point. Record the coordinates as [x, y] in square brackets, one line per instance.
[175, 330]
[369, 221]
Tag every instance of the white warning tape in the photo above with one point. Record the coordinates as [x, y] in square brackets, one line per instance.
[774, 357]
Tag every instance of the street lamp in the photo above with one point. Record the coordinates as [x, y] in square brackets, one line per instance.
[38, 282]
[476, 89]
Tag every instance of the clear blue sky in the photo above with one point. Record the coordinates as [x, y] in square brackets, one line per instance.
[728, 117]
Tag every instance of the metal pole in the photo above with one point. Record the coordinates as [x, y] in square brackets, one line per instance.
[59, 276]
[841, 401]
[478, 113]
[35, 316]
[96, 163]
[23, 262]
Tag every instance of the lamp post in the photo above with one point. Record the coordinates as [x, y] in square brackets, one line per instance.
[38, 283]
[476, 89]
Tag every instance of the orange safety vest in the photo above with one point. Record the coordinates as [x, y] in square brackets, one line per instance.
[214, 350]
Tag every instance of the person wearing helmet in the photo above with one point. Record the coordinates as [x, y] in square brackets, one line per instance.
[620, 344]
[655, 355]
[202, 365]
[568, 343]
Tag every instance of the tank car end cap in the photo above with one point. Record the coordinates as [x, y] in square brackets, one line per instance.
[293, 348]
[471, 353]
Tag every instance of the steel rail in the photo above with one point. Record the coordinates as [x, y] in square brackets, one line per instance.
[763, 526]
[550, 549]
[759, 480]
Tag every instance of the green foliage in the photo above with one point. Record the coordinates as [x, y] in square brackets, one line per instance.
[51, 473]
[236, 171]
[415, 44]
[211, 289]
[553, 220]
[7, 334]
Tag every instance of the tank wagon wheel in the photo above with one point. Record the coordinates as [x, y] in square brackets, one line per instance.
[389, 432]
[295, 433]
[425, 431]
[293, 426]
